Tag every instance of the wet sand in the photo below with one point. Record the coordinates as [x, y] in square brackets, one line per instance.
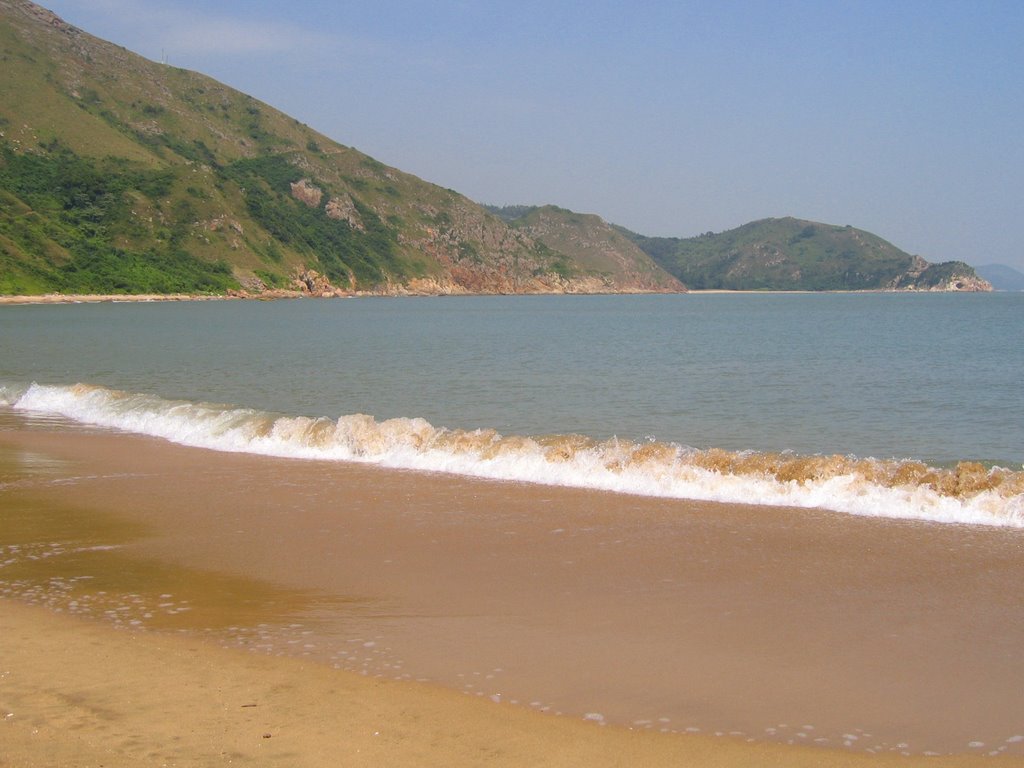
[848, 635]
[81, 694]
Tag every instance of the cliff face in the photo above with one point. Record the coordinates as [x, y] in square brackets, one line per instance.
[119, 174]
[964, 283]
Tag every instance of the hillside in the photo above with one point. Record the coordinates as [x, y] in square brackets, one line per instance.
[793, 254]
[591, 243]
[122, 175]
[1002, 277]
[771, 254]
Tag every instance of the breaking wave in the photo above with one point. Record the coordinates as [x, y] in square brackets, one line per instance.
[968, 493]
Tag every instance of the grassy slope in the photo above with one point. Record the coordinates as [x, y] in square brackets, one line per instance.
[591, 243]
[226, 163]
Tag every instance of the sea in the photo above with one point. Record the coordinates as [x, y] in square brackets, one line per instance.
[899, 405]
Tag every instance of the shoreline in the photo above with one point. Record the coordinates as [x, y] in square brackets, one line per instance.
[59, 298]
[955, 490]
[275, 295]
[703, 614]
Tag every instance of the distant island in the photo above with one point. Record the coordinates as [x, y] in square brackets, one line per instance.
[121, 176]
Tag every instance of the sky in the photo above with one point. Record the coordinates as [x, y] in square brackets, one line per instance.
[904, 118]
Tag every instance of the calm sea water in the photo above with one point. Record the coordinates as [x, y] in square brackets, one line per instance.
[932, 377]
[935, 377]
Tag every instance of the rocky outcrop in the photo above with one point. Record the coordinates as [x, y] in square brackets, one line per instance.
[343, 209]
[312, 283]
[469, 283]
[304, 191]
[950, 276]
[963, 283]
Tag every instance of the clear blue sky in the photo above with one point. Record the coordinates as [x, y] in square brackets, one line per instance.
[905, 118]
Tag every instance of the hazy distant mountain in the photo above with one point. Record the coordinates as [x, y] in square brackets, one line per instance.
[794, 254]
[1002, 277]
[119, 174]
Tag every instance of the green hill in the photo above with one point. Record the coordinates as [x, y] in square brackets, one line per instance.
[591, 243]
[122, 175]
[793, 254]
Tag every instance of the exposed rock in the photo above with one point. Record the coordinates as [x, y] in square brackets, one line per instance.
[965, 284]
[312, 283]
[252, 284]
[49, 18]
[959, 277]
[343, 209]
[304, 191]
[467, 280]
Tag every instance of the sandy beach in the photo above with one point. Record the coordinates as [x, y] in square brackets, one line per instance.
[76, 693]
[60, 298]
[407, 619]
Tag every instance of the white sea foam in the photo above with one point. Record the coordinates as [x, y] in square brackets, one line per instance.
[862, 487]
[10, 393]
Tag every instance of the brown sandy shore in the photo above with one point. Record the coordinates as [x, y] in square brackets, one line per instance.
[727, 614]
[60, 298]
[76, 693]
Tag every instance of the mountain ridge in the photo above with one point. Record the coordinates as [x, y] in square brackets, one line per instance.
[163, 180]
[123, 175]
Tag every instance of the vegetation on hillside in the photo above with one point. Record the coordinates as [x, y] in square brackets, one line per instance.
[125, 175]
[793, 254]
[61, 219]
[346, 255]
[593, 245]
[122, 175]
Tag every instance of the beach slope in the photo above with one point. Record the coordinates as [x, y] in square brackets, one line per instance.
[77, 693]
